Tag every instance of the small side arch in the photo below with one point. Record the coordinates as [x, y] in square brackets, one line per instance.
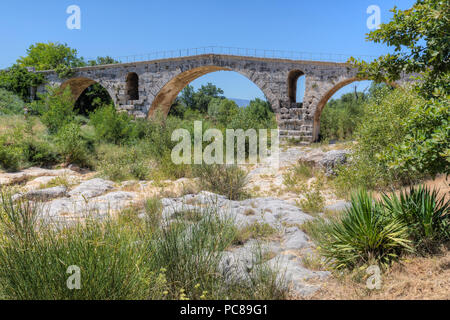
[293, 77]
[132, 86]
[79, 84]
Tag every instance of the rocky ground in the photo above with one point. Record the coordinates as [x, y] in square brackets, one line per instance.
[70, 194]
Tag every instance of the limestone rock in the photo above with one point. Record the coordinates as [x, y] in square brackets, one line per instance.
[92, 188]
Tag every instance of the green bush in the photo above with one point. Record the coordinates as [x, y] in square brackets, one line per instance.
[340, 117]
[379, 130]
[222, 110]
[11, 156]
[55, 108]
[18, 80]
[112, 126]
[227, 180]
[72, 145]
[426, 146]
[364, 234]
[121, 163]
[425, 213]
[24, 142]
[10, 103]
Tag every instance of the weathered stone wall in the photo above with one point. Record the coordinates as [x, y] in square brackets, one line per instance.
[160, 81]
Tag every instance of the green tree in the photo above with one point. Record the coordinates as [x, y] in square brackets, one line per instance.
[48, 56]
[55, 108]
[222, 110]
[18, 80]
[102, 61]
[10, 103]
[420, 37]
[192, 100]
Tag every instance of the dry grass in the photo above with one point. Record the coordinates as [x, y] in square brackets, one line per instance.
[414, 278]
[440, 182]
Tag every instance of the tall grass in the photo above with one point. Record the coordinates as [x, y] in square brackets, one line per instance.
[227, 180]
[129, 257]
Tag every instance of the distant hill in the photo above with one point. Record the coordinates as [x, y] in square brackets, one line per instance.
[240, 102]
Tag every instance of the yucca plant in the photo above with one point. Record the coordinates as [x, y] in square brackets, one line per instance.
[425, 213]
[363, 234]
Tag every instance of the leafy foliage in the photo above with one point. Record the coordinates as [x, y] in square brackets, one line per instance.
[340, 117]
[223, 179]
[19, 80]
[425, 213]
[49, 56]
[112, 126]
[10, 103]
[55, 108]
[72, 145]
[420, 39]
[364, 234]
[379, 131]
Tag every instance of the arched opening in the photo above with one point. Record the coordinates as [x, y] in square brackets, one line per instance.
[132, 86]
[296, 86]
[346, 97]
[171, 90]
[88, 94]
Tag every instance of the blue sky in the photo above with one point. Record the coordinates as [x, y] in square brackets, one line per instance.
[120, 28]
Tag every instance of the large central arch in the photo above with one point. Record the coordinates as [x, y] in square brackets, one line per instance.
[169, 92]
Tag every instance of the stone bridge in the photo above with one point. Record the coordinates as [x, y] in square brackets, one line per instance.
[142, 88]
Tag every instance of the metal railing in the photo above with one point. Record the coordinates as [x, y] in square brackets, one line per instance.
[245, 52]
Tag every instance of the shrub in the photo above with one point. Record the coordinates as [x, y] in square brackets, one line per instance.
[222, 110]
[55, 108]
[426, 147]
[24, 142]
[122, 163]
[364, 234]
[378, 131]
[313, 201]
[425, 213]
[340, 117]
[71, 145]
[18, 80]
[11, 156]
[296, 176]
[112, 126]
[227, 180]
[10, 103]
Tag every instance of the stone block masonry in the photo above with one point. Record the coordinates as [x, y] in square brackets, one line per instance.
[145, 88]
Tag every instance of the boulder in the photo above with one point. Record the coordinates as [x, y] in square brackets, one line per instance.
[43, 194]
[92, 188]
